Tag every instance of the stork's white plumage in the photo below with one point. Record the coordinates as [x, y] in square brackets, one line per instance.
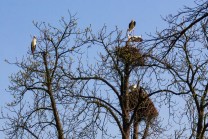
[135, 38]
[33, 44]
[133, 87]
[132, 24]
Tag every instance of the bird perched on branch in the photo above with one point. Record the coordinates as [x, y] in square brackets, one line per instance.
[132, 24]
[33, 44]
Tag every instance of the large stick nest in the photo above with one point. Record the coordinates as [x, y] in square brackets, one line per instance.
[139, 100]
[131, 55]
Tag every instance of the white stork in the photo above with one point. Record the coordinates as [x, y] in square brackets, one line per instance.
[133, 87]
[135, 38]
[132, 25]
[33, 44]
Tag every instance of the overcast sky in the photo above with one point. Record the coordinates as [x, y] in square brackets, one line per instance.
[16, 26]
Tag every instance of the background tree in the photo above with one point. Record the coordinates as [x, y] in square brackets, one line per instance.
[39, 108]
[183, 56]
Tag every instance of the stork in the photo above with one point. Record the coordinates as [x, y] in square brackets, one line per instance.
[133, 87]
[33, 44]
[135, 38]
[132, 25]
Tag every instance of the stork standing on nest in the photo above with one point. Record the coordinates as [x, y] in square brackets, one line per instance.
[135, 38]
[133, 87]
[33, 45]
[132, 25]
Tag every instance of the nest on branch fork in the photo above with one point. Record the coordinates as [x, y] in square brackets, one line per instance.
[131, 55]
[140, 101]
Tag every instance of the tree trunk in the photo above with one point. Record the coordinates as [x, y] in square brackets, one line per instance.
[200, 124]
[136, 130]
[126, 133]
[146, 130]
[53, 102]
[126, 126]
[57, 119]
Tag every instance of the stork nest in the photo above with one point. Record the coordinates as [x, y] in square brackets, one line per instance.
[131, 55]
[146, 109]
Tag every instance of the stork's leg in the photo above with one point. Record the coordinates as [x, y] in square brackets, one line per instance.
[133, 32]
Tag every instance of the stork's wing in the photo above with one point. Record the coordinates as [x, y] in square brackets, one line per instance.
[129, 25]
[31, 45]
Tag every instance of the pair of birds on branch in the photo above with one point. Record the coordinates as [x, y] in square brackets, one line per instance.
[132, 25]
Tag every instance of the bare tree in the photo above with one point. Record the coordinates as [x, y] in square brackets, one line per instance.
[39, 108]
[77, 95]
[183, 56]
[106, 82]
